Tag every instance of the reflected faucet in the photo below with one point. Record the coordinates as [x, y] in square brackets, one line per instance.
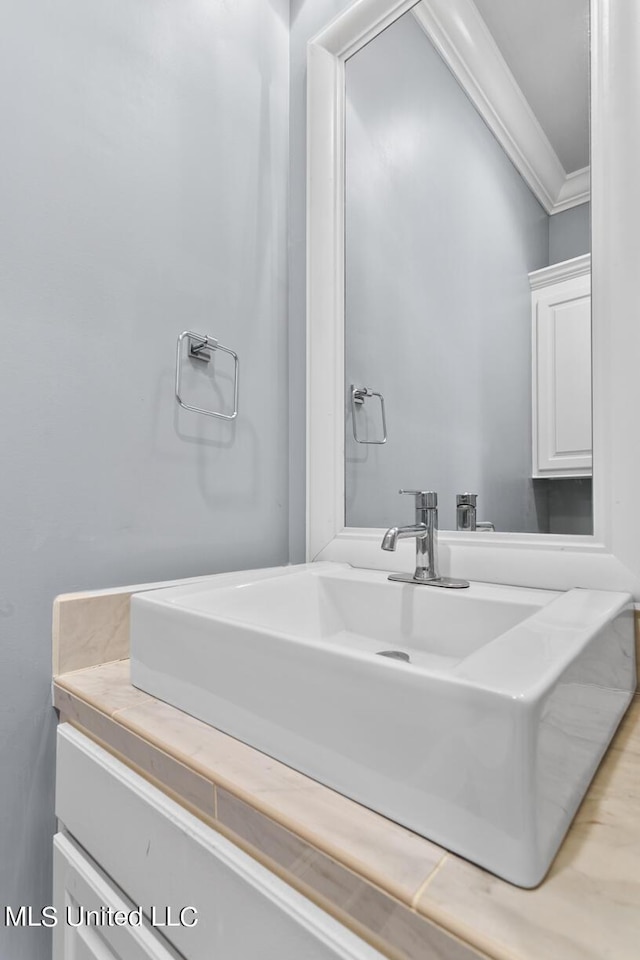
[425, 530]
[466, 504]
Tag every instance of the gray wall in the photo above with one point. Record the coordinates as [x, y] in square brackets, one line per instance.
[144, 190]
[570, 233]
[570, 505]
[441, 232]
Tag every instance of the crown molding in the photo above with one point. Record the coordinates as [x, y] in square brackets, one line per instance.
[567, 270]
[575, 190]
[463, 40]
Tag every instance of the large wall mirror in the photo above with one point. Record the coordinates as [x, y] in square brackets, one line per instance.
[473, 202]
[467, 266]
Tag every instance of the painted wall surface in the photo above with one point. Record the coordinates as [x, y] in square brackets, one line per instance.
[570, 505]
[570, 233]
[441, 234]
[144, 191]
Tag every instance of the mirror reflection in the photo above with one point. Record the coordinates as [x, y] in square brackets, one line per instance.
[467, 270]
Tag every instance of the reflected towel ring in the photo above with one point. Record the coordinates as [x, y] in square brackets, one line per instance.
[358, 396]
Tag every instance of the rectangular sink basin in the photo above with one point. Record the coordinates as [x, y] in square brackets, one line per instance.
[476, 717]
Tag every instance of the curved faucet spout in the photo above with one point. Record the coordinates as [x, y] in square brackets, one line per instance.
[393, 534]
[425, 530]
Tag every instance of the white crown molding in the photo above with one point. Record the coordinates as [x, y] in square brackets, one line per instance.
[567, 270]
[352, 29]
[575, 190]
[465, 43]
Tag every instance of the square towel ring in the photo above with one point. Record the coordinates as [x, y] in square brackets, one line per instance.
[358, 396]
[200, 348]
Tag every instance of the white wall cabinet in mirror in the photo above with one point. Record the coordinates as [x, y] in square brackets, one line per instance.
[608, 556]
[561, 379]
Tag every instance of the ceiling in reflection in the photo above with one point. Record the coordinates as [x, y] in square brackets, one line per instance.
[546, 46]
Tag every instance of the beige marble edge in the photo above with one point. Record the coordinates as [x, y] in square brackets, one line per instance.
[267, 809]
[308, 891]
[89, 630]
[178, 797]
[493, 948]
[313, 838]
[464, 931]
[92, 627]
[225, 761]
[341, 914]
[386, 947]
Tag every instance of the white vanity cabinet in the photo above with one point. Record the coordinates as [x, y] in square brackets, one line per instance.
[124, 844]
[561, 381]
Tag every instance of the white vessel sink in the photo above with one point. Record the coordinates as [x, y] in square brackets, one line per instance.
[484, 741]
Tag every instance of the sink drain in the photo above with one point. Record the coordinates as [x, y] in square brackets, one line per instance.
[395, 655]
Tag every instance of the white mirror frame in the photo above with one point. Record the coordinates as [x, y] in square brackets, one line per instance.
[610, 559]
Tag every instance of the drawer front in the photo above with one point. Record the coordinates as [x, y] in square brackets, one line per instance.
[166, 860]
[81, 891]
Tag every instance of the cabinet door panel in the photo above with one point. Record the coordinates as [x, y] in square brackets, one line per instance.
[85, 944]
[571, 331]
[562, 427]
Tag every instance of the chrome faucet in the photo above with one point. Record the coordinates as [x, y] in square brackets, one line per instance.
[425, 530]
[466, 506]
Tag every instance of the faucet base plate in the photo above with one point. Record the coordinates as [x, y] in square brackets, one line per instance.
[452, 583]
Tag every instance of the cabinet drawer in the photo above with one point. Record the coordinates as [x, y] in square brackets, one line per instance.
[164, 858]
[80, 886]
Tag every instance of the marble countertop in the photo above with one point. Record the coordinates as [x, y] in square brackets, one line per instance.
[408, 897]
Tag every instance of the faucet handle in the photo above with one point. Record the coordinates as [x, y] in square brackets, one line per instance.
[466, 499]
[425, 499]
